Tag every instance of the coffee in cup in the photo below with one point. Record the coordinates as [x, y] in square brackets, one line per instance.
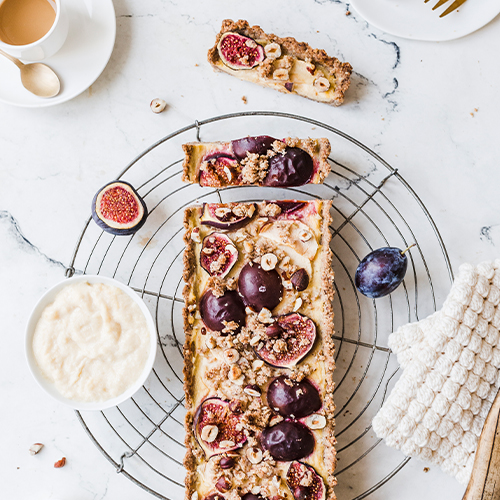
[25, 21]
[32, 29]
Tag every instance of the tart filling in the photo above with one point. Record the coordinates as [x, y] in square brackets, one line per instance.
[260, 160]
[283, 64]
[259, 351]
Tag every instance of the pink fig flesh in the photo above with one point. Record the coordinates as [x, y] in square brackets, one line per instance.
[218, 254]
[240, 52]
[304, 482]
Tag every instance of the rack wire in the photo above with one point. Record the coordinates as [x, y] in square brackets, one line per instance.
[373, 206]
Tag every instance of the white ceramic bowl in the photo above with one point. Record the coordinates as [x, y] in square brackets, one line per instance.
[48, 386]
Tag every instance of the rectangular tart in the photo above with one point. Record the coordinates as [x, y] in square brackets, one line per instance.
[260, 160]
[258, 323]
[283, 64]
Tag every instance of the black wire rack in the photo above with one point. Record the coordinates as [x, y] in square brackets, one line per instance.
[373, 206]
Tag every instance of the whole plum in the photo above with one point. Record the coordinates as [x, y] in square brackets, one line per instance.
[381, 272]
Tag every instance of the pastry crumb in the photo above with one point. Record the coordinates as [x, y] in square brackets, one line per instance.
[426, 469]
[244, 99]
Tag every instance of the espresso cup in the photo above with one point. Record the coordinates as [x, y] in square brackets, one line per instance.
[42, 48]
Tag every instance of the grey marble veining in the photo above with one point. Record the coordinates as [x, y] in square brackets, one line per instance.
[430, 109]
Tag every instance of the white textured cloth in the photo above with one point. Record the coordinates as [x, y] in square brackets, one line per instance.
[450, 363]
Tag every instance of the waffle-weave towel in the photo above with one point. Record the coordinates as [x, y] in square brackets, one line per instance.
[450, 363]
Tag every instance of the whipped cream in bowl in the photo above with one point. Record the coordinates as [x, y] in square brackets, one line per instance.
[90, 342]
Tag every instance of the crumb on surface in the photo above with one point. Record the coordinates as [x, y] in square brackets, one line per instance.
[244, 99]
[426, 469]
[348, 13]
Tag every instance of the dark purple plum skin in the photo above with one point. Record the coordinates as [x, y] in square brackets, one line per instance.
[260, 288]
[259, 145]
[300, 399]
[289, 440]
[294, 168]
[251, 496]
[289, 206]
[381, 272]
[215, 310]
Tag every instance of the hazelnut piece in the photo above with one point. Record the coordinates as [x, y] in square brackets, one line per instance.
[315, 421]
[272, 50]
[254, 455]
[268, 261]
[321, 84]
[35, 448]
[158, 105]
[231, 356]
[209, 433]
[252, 390]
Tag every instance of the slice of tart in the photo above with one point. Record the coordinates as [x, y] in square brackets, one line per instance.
[283, 64]
[259, 354]
[261, 160]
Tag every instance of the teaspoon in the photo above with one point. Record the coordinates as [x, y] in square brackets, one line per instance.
[38, 78]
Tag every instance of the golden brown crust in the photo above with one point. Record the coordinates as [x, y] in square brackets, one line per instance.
[290, 46]
[327, 278]
[319, 149]
[328, 349]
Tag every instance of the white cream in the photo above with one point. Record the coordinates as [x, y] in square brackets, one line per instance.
[92, 342]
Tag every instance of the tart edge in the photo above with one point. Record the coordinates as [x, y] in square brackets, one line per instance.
[300, 50]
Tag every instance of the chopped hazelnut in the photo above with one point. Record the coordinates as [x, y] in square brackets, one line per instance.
[209, 433]
[231, 356]
[254, 455]
[268, 261]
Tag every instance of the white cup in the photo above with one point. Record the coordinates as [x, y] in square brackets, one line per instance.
[46, 46]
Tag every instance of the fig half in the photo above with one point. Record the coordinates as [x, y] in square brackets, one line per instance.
[219, 169]
[292, 343]
[218, 254]
[224, 216]
[293, 399]
[215, 428]
[118, 209]
[240, 52]
[289, 440]
[257, 145]
[215, 311]
[304, 482]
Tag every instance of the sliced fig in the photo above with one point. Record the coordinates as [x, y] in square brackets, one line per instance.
[289, 206]
[259, 145]
[294, 234]
[240, 52]
[215, 427]
[260, 288]
[290, 398]
[292, 344]
[293, 168]
[118, 209]
[223, 216]
[217, 310]
[304, 482]
[288, 440]
[219, 169]
[218, 254]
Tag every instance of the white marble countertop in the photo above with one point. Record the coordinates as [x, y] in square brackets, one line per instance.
[429, 109]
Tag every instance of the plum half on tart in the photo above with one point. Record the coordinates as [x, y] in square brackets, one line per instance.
[260, 160]
[258, 354]
[283, 64]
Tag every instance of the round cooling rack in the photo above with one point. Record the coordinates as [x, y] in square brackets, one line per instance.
[373, 206]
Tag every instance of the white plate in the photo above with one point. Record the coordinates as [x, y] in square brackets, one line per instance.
[48, 386]
[83, 57]
[416, 19]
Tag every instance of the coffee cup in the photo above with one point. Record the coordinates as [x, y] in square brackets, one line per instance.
[32, 30]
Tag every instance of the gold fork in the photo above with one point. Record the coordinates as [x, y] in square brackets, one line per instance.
[455, 5]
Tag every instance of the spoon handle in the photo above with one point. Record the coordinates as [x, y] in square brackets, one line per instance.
[485, 480]
[17, 62]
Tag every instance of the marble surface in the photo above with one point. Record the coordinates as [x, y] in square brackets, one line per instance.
[430, 109]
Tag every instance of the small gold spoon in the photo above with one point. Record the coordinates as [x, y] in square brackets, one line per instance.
[38, 78]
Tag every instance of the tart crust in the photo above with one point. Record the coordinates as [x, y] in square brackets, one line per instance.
[321, 357]
[337, 73]
[247, 171]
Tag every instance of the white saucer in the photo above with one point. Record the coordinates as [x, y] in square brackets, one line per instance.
[83, 57]
[416, 19]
